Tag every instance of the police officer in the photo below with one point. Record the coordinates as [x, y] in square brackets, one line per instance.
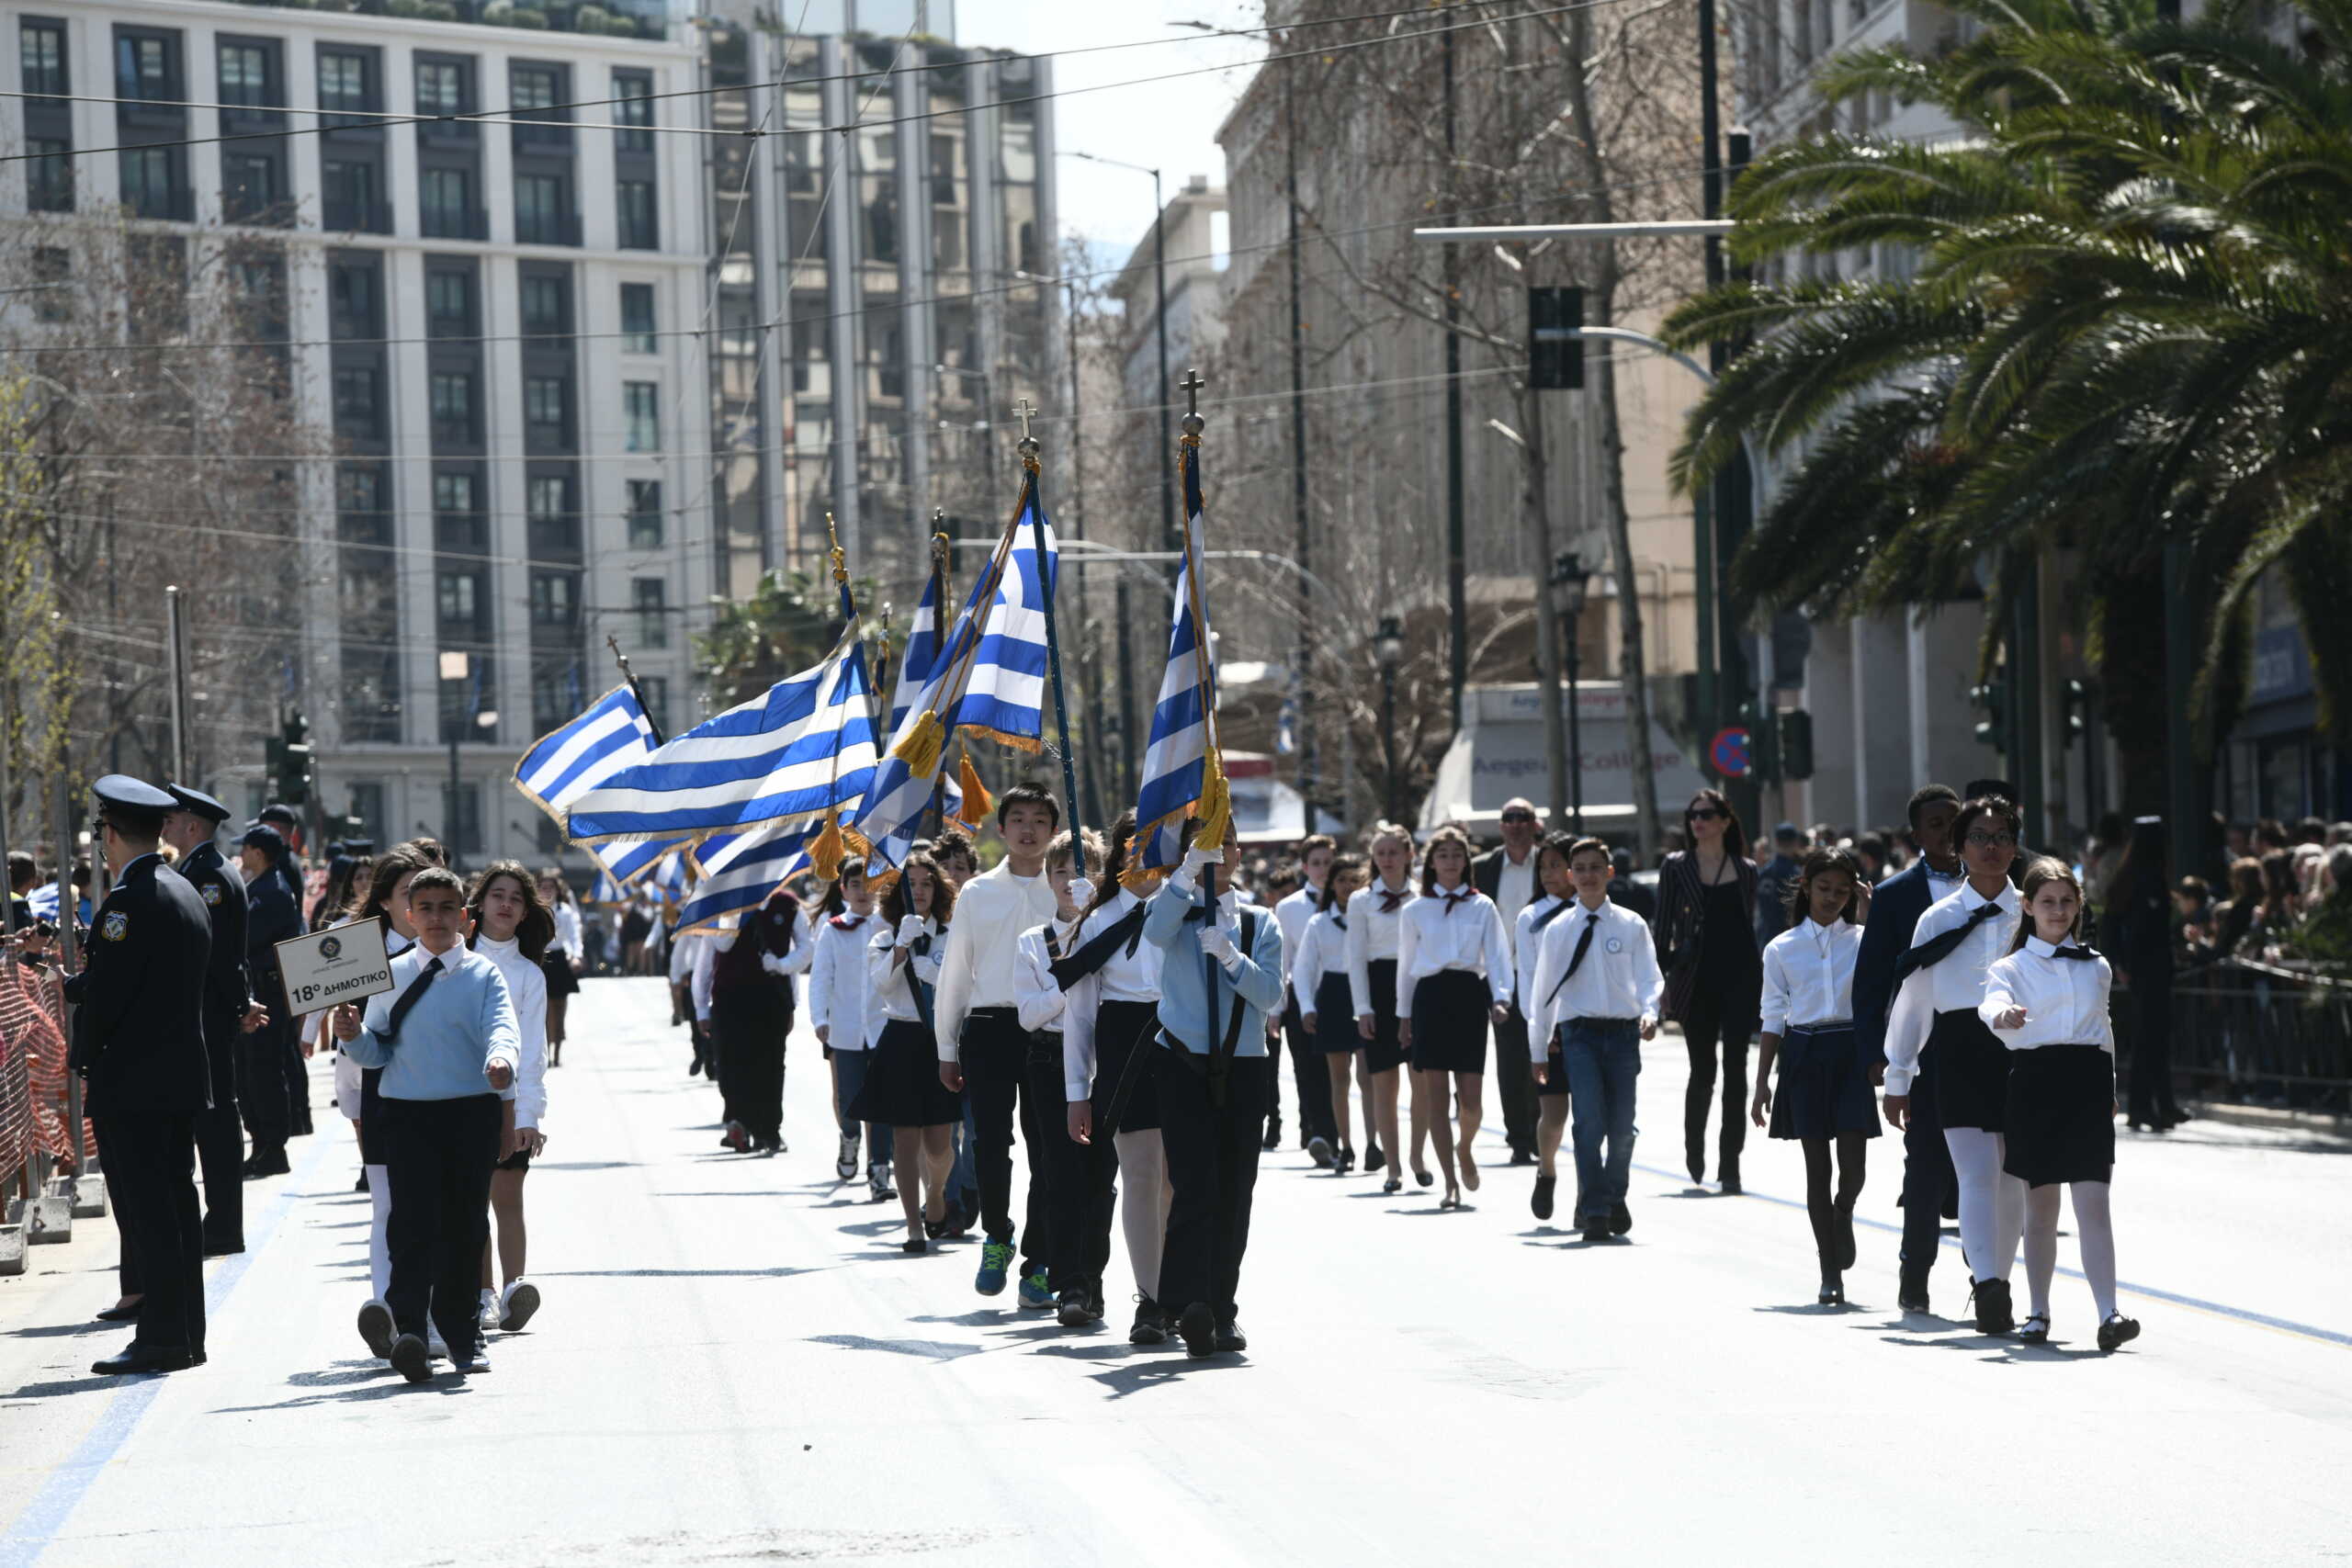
[219, 1137]
[271, 917]
[139, 1039]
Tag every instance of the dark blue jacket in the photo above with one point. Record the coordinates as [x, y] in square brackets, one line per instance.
[272, 916]
[138, 1001]
[1896, 905]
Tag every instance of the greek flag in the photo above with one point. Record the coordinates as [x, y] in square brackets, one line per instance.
[1175, 764]
[989, 677]
[807, 745]
[754, 866]
[560, 768]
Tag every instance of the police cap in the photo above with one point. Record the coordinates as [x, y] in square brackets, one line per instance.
[277, 813]
[197, 803]
[133, 803]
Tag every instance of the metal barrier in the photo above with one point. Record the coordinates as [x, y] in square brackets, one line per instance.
[2261, 1034]
[34, 1099]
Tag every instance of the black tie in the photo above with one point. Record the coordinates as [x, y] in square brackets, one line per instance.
[1340, 921]
[2078, 954]
[1576, 959]
[406, 1000]
[1937, 949]
[1548, 916]
[1096, 950]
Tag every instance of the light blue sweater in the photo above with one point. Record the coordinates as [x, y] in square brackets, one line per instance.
[464, 1022]
[1253, 983]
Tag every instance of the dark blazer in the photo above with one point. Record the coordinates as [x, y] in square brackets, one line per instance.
[1486, 871]
[139, 1025]
[225, 988]
[271, 917]
[1681, 922]
[1896, 905]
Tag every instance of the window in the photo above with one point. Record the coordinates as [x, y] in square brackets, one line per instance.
[143, 68]
[48, 174]
[248, 183]
[453, 405]
[635, 91]
[555, 599]
[352, 296]
[548, 496]
[655, 690]
[543, 304]
[532, 88]
[634, 206]
[343, 81]
[641, 400]
[449, 303]
[637, 317]
[347, 195]
[356, 489]
[448, 205]
[543, 403]
[458, 596]
[53, 277]
[541, 214]
[649, 597]
[41, 47]
[150, 182]
[245, 75]
[354, 402]
[440, 87]
[453, 492]
[645, 519]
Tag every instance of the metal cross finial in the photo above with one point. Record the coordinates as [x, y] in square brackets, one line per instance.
[1192, 385]
[1022, 410]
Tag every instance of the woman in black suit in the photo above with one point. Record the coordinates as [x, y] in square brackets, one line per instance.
[1715, 973]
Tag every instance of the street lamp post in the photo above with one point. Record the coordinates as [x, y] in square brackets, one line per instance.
[1570, 585]
[1388, 648]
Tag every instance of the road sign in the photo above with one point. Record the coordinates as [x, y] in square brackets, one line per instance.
[1730, 753]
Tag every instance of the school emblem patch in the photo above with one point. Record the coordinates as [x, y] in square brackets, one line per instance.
[211, 893]
[115, 925]
[330, 947]
[1616, 944]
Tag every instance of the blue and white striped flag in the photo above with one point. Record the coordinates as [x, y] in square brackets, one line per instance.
[914, 672]
[1176, 765]
[805, 747]
[613, 735]
[988, 677]
[754, 866]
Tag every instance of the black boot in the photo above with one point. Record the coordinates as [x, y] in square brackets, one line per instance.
[1911, 1294]
[1993, 1314]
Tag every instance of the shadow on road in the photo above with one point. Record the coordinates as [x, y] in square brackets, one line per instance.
[929, 1349]
[1124, 1381]
[61, 1330]
[670, 1273]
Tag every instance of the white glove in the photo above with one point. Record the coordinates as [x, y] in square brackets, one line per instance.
[910, 928]
[1219, 946]
[1081, 892]
[1188, 873]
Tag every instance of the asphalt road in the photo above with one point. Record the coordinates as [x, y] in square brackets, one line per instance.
[735, 1364]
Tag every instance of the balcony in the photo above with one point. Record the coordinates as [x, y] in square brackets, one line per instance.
[555, 535]
[346, 128]
[354, 218]
[151, 116]
[170, 206]
[454, 223]
[245, 119]
[449, 133]
[541, 136]
[255, 211]
[547, 229]
[461, 431]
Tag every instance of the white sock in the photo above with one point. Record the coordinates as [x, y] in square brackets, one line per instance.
[2094, 1228]
[2041, 1246]
[1976, 1161]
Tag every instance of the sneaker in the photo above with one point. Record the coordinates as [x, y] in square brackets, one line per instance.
[845, 1162]
[487, 1311]
[1034, 1292]
[1151, 1324]
[1094, 1301]
[522, 1302]
[1069, 1308]
[996, 1258]
[408, 1357]
[436, 1347]
[1318, 1149]
[376, 1328]
[1911, 1292]
[1229, 1339]
[738, 1137]
[877, 1182]
[472, 1365]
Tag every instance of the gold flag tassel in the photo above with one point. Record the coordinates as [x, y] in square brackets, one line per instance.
[977, 802]
[825, 852]
[1216, 806]
[920, 750]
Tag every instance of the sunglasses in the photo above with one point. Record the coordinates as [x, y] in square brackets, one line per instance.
[1704, 814]
[1519, 816]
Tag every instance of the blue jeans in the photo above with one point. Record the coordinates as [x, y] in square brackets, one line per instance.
[1603, 1056]
[849, 1077]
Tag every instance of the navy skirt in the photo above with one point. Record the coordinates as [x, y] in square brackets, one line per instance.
[1450, 1022]
[1822, 1092]
[1121, 1030]
[2061, 1116]
[903, 1086]
[1972, 1071]
[1381, 1052]
[1335, 1014]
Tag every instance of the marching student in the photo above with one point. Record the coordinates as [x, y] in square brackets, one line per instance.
[1555, 894]
[1318, 1127]
[959, 864]
[743, 991]
[1706, 941]
[1215, 990]
[1041, 999]
[1112, 979]
[1374, 915]
[564, 957]
[447, 1040]
[264, 1091]
[1597, 992]
[2047, 1003]
[1929, 1186]
[902, 1089]
[359, 1090]
[1319, 973]
[511, 928]
[1454, 975]
[842, 1009]
[1506, 874]
[1940, 982]
[985, 1054]
[1808, 1012]
[685, 949]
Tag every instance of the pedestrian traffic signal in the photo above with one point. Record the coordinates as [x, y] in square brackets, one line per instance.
[1764, 741]
[290, 762]
[1796, 744]
[1554, 339]
[2078, 710]
[1993, 729]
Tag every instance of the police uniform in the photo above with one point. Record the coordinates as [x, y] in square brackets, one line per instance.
[271, 917]
[291, 1062]
[220, 1136]
[138, 1041]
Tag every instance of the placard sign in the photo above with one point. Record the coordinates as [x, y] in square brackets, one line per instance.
[341, 964]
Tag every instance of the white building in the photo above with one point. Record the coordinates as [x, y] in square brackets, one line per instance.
[497, 322]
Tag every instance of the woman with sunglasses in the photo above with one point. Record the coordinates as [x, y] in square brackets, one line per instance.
[1715, 973]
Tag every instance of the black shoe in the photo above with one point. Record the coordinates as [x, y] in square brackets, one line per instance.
[376, 1328]
[1151, 1324]
[1069, 1309]
[1318, 1149]
[361, 1185]
[137, 1357]
[2117, 1330]
[1422, 1177]
[1344, 1161]
[2035, 1331]
[222, 1248]
[1230, 1338]
[1992, 1299]
[118, 1314]
[409, 1358]
[1911, 1295]
[1833, 1290]
[1197, 1326]
[694, 1068]
[1847, 1251]
[1394, 1184]
[1621, 1219]
[1374, 1158]
[1523, 1157]
[1273, 1138]
[1542, 1202]
[1697, 1166]
[1595, 1228]
[914, 1246]
[1731, 1187]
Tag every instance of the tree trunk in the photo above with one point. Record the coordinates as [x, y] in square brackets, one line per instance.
[1536, 469]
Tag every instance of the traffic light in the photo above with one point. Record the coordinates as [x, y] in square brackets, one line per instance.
[1555, 339]
[2078, 710]
[290, 762]
[1796, 744]
[1993, 729]
[1763, 742]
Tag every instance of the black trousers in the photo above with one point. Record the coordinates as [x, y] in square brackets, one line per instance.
[1515, 1079]
[1085, 1195]
[1213, 1167]
[1004, 1089]
[298, 1081]
[2150, 1000]
[150, 1179]
[1928, 1182]
[751, 1031]
[1312, 1079]
[221, 1149]
[1714, 1021]
[261, 1086]
[438, 1156]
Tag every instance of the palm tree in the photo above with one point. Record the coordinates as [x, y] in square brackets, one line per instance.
[791, 621]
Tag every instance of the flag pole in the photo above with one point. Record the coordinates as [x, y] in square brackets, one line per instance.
[637, 691]
[940, 620]
[826, 851]
[1204, 686]
[1029, 448]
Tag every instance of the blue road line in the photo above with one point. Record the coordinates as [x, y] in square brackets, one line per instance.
[31, 1532]
[2325, 1336]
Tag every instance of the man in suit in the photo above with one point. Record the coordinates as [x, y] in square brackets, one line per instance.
[138, 1041]
[271, 917]
[219, 1137]
[1506, 874]
[1928, 1184]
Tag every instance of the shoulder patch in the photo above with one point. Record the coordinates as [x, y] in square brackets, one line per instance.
[211, 891]
[115, 925]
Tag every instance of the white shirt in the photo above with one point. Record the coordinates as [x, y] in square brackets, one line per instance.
[991, 911]
[893, 996]
[526, 987]
[1514, 886]
[1620, 977]
[1527, 947]
[2064, 999]
[1372, 936]
[1463, 933]
[1036, 996]
[567, 932]
[1956, 985]
[1322, 950]
[1124, 978]
[1292, 913]
[713, 944]
[1809, 976]
[681, 956]
[841, 1002]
